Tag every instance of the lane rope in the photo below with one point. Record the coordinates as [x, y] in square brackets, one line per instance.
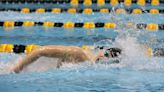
[14, 48]
[87, 25]
[87, 2]
[86, 10]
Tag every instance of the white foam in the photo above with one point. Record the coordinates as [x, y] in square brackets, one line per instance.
[7, 61]
[134, 56]
[41, 65]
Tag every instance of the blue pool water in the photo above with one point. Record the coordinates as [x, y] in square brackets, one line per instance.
[136, 72]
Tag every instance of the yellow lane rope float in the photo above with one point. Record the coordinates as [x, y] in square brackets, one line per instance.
[154, 11]
[141, 2]
[11, 48]
[86, 10]
[155, 2]
[74, 2]
[86, 2]
[100, 2]
[87, 25]
[40, 10]
[127, 2]
[114, 2]
[56, 10]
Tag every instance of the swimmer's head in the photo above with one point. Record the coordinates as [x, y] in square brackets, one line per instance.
[112, 52]
[106, 53]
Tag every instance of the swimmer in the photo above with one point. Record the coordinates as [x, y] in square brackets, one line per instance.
[67, 54]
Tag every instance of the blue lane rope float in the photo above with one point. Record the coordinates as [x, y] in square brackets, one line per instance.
[87, 2]
[14, 48]
[87, 25]
[85, 10]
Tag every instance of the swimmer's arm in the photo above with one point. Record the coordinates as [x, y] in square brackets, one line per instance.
[47, 51]
[61, 52]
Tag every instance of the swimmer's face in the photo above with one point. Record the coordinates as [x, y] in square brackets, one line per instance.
[109, 53]
[103, 55]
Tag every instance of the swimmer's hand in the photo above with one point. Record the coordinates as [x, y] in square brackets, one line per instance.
[17, 68]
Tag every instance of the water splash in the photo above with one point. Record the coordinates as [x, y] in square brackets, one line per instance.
[134, 54]
[7, 61]
[41, 65]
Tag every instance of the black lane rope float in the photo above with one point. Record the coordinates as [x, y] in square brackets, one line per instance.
[87, 25]
[86, 10]
[14, 48]
[86, 2]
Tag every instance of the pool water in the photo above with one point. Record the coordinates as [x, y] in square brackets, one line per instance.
[137, 72]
